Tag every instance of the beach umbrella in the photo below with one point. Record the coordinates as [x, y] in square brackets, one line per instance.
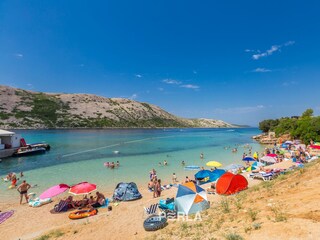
[248, 159]
[288, 142]
[268, 159]
[213, 164]
[54, 191]
[272, 155]
[249, 169]
[233, 166]
[191, 198]
[255, 155]
[83, 188]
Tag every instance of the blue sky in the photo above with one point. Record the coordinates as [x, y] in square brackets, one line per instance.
[239, 61]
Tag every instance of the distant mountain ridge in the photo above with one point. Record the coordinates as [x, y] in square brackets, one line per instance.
[33, 110]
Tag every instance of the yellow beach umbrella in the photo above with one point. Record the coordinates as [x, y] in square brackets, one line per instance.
[213, 164]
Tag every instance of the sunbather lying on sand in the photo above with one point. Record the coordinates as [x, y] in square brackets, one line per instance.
[212, 188]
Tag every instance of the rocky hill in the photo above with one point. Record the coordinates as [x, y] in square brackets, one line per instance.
[27, 109]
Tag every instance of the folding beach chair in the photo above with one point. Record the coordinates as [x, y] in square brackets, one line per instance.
[152, 209]
[262, 175]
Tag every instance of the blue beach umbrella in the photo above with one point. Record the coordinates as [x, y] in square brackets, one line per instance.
[248, 159]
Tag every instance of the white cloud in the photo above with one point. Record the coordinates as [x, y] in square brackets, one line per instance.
[161, 89]
[171, 81]
[261, 70]
[289, 43]
[18, 55]
[81, 65]
[288, 83]
[134, 96]
[138, 75]
[269, 52]
[190, 86]
[238, 110]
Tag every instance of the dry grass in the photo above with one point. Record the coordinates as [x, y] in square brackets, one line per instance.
[234, 217]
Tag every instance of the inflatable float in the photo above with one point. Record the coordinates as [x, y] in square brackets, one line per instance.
[192, 167]
[83, 214]
[154, 223]
[37, 202]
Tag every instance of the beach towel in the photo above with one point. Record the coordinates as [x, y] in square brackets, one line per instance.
[106, 203]
[5, 215]
[62, 206]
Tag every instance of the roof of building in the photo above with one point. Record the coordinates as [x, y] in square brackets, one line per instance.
[6, 133]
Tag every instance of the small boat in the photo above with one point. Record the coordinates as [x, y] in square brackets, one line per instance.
[29, 151]
[116, 152]
[40, 145]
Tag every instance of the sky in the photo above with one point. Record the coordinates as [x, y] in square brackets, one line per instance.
[238, 61]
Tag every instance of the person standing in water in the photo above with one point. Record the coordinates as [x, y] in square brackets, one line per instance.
[201, 155]
[23, 190]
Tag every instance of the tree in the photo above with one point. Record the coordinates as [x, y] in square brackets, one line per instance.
[307, 113]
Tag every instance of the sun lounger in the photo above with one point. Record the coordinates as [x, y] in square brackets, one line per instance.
[262, 175]
[152, 209]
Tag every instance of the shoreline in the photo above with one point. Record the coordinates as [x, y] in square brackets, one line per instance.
[120, 128]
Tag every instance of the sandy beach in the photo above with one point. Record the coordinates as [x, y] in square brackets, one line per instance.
[125, 221]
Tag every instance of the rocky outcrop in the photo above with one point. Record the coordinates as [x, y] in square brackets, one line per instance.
[27, 109]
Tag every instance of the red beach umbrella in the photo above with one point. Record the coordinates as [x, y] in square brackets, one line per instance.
[272, 155]
[83, 188]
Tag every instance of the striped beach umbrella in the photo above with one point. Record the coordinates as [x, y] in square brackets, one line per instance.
[191, 198]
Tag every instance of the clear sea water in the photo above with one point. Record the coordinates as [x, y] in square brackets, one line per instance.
[79, 155]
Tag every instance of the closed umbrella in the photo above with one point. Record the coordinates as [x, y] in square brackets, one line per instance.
[83, 188]
[54, 191]
[213, 164]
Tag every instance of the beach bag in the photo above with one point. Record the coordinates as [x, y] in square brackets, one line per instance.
[167, 204]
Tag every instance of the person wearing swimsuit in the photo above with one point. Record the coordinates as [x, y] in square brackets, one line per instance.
[23, 190]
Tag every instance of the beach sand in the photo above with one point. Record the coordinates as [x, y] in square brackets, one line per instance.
[125, 221]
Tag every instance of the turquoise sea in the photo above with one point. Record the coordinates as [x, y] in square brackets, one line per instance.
[79, 155]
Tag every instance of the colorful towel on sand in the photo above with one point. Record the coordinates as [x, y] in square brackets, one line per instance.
[5, 215]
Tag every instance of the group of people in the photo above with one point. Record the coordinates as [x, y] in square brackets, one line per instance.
[112, 165]
[91, 202]
[154, 184]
